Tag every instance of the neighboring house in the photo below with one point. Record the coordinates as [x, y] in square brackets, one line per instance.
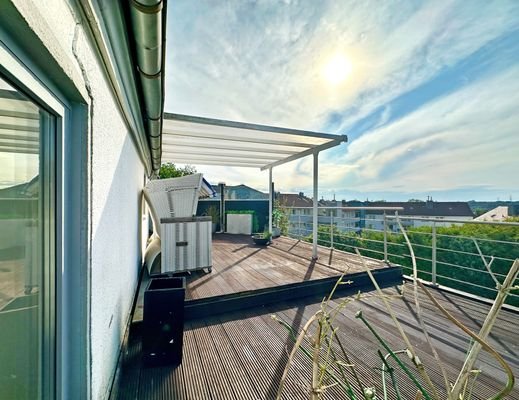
[431, 210]
[240, 192]
[498, 214]
[301, 219]
[300, 212]
[244, 192]
[81, 111]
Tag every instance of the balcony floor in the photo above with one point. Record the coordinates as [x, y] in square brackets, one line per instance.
[242, 355]
[239, 265]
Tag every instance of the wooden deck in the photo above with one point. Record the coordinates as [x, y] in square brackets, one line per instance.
[243, 355]
[239, 265]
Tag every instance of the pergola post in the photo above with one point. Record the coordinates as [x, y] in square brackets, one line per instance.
[315, 200]
[270, 200]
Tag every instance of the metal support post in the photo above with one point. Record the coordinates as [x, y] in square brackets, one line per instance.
[331, 230]
[270, 200]
[433, 255]
[385, 238]
[315, 200]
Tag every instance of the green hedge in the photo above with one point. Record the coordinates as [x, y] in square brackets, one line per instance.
[467, 268]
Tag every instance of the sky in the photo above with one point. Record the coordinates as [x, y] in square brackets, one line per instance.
[427, 91]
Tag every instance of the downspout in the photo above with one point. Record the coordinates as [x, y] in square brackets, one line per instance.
[148, 26]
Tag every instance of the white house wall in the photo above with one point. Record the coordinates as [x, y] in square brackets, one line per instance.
[116, 180]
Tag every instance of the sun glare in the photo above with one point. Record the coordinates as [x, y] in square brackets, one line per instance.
[337, 69]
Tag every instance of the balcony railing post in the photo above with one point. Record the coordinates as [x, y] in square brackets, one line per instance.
[433, 255]
[385, 238]
[331, 230]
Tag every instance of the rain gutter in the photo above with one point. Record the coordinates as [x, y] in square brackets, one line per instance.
[148, 18]
[108, 27]
[130, 38]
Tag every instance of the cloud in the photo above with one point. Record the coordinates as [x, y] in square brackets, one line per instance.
[261, 62]
[469, 137]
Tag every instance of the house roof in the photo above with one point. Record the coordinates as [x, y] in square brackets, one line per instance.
[197, 140]
[497, 214]
[294, 200]
[425, 208]
[241, 192]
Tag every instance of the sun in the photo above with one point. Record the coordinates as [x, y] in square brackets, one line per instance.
[337, 69]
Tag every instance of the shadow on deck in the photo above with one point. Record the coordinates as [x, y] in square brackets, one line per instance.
[246, 275]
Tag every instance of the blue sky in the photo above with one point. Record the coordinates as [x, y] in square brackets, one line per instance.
[430, 103]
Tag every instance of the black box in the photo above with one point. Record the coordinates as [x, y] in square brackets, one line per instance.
[163, 321]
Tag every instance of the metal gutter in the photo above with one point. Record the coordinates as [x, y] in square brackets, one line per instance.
[110, 33]
[148, 19]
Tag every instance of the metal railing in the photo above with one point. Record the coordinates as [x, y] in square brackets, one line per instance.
[449, 252]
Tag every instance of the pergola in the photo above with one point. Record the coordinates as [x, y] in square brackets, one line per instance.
[196, 140]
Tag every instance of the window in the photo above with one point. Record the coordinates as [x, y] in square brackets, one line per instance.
[27, 246]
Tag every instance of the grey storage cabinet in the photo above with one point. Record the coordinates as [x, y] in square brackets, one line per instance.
[186, 244]
[163, 321]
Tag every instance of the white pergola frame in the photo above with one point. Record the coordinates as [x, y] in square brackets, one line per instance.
[189, 139]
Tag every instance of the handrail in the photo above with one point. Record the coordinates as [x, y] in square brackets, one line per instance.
[447, 259]
[457, 221]
[349, 208]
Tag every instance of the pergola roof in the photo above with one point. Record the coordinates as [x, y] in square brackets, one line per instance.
[197, 140]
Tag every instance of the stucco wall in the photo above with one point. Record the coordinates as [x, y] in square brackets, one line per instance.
[116, 176]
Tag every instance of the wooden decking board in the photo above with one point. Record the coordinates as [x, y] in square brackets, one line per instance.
[204, 307]
[252, 348]
[220, 385]
[272, 352]
[195, 381]
[240, 265]
[251, 357]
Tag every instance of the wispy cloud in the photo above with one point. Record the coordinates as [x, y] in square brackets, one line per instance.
[429, 104]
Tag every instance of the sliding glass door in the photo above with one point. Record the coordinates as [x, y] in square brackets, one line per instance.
[27, 246]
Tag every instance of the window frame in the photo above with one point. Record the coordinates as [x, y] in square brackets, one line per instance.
[66, 351]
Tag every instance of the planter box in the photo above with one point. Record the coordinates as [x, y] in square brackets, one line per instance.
[163, 321]
[239, 224]
[260, 240]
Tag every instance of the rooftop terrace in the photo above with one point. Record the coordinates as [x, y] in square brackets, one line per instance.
[242, 355]
[233, 349]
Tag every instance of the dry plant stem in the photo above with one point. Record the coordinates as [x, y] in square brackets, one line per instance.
[503, 291]
[308, 354]
[487, 265]
[410, 347]
[420, 317]
[299, 340]
[350, 392]
[315, 366]
[510, 383]
[345, 355]
[387, 367]
[393, 355]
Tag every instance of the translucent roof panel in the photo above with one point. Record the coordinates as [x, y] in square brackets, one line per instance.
[197, 140]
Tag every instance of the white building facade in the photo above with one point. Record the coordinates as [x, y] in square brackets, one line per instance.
[77, 150]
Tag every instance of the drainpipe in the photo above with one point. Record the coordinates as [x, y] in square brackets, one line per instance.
[148, 23]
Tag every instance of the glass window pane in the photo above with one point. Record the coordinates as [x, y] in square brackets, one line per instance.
[22, 287]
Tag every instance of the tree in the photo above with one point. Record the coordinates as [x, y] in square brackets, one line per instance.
[170, 170]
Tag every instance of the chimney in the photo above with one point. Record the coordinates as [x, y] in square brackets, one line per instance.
[301, 195]
[429, 203]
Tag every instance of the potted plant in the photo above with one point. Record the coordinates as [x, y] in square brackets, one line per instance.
[214, 213]
[279, 220]
[262, 239]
